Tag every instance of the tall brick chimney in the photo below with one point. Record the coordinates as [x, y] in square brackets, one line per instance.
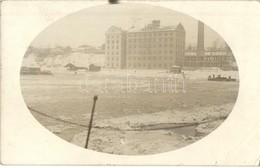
[200, 39]
[200, 45]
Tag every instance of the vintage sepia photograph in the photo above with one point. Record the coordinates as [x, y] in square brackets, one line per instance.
[129, 79]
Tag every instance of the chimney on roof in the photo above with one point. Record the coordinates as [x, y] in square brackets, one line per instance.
[200, 39]
[156, 23]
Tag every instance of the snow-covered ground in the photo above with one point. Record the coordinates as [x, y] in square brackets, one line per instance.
[131, 123]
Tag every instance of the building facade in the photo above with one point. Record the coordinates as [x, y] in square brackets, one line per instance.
[152, 47]
[115, 48]
[223, 59]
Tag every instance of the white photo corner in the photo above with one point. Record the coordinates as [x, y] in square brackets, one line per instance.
[130, 83]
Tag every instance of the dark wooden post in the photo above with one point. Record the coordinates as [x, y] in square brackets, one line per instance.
[91, 120]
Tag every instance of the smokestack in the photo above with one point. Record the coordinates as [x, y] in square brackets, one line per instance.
[200, 39]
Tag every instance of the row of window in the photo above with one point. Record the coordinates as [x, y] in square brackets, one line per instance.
[150, 34]
[151, 58]
[206, 58]
[146, 40]
[216, 53]
[112, 41]
[113, 47]
[146, 34]
[112, 58]
[150, 40]
[149, 52]
[149, 65]
[150, 45]
[192, 64]
[113, 36]
[207, 53]
[112, 53]
[112, 64]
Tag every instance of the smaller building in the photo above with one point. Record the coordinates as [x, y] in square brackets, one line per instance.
[73, 67]
[93, 67]
[30, 70]
[223, 59]
[175, 69]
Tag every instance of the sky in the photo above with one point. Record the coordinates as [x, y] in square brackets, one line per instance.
[88, 26]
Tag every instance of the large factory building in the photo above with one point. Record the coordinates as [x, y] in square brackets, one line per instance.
[152, 47]
[161, 47]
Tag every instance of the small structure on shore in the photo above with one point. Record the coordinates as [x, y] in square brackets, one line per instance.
[34, 71]
[93, 67]
[73, 67]
[175, 69]
[30, 70]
